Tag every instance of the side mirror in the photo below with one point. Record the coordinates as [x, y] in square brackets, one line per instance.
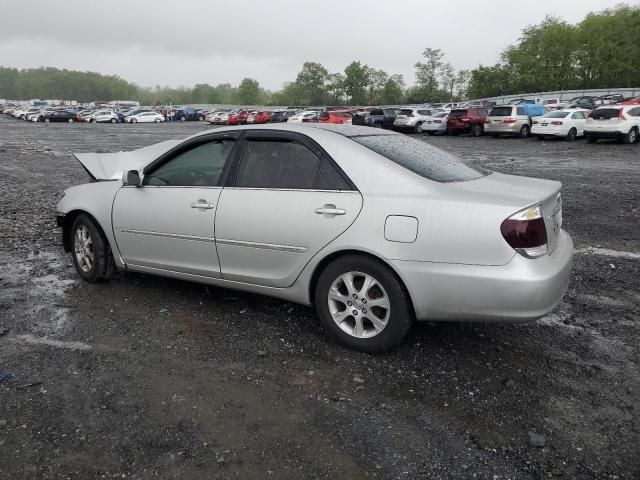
[131, 177]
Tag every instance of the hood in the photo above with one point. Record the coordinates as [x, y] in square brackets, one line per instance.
[110, 166]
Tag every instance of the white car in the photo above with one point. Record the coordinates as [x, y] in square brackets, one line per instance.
[102, 116]
[551, 103]
[145, 117]
[412, 118]
[560, 123]
[216, 117]
[436, 123]
[302, 116]
[620, 122]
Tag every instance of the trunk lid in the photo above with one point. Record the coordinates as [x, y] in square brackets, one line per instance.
[520, 193]
[111, 166]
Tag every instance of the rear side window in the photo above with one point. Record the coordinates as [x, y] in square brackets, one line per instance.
[420, 157]
[376, 112]
[281, 163]
[520, 111]
[330, 178]
[605, 113]
[500, 112]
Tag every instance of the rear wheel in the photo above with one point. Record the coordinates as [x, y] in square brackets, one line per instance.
[70, 120]
[91, 253]
[524, 131]
[113, 120]
[46, 120]
[571, 136]
[134, 120]
[477, 130]
[182, 119]
[157, 120]
[418, 127]
[631, 137]
[362, 304]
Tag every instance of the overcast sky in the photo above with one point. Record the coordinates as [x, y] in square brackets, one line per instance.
[184, 42]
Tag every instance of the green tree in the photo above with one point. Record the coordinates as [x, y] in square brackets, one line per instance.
[311, 84]
[355, 83]
[249, 92]
[393, 90]
[428, 72]
[335, 87]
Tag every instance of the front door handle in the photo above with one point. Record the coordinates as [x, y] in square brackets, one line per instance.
[202, 204]
[330, 209]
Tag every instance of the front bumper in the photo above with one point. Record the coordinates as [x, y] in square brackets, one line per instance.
[520, 291]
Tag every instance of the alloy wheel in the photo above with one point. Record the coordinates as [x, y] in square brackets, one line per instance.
[359, 304]
[83, 248]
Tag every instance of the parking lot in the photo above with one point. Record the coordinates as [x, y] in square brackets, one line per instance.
[155, 378]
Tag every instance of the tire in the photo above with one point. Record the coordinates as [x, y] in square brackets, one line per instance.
[418, 127]
[113, 120]
[157, 120]
[358, 332]
[200, 119]
[631, 137]
[182, 119]
[90, 251]
[524, 131]
[46, 120]
[134, 120]
[571, 136]
[93, 120]
[592, 139]
[477, 130]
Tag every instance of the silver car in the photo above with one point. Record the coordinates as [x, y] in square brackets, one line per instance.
[508, 119]
[373, 228]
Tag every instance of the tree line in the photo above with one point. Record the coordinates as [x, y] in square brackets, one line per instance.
[601, 51]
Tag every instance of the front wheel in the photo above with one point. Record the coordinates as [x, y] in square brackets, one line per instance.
[91, 253]
[113, 120]
[134, 120]
[362, 304]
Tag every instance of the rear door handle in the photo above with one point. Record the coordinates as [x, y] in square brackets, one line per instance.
[202, 204]
[330, 209]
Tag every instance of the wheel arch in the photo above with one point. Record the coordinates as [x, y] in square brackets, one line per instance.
[322, 264]
[67, 224]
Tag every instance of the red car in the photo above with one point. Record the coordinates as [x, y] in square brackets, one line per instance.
[263, 116]
[335, 116]
[234, 118]
[242, 117]
[467, 120]
[632, 101]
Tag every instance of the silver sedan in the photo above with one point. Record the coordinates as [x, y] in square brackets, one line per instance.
[373, 228]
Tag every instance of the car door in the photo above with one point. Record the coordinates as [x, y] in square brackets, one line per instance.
[285, 200]
[579, 120]
[167, 223]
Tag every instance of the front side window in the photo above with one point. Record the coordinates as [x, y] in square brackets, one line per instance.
[277, 163]
[420, 157]
[200, 166]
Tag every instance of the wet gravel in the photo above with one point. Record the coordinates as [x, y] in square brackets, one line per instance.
[153, 378]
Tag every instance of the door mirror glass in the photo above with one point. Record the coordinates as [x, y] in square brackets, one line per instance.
[131, 177]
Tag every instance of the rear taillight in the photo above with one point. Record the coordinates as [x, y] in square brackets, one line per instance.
[487, 121]
[556, 122]
[526, 232]
[509, 120]
[621, 115]
[535, 122]
[464, 119]
[410, 115]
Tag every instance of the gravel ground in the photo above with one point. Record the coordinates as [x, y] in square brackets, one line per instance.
[153, 378]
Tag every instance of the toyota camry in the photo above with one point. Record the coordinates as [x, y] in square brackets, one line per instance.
[373, 228]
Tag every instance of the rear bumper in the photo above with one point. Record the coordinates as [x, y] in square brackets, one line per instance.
[520, 291]
[603, 134]
[551, 131]
[511, 128]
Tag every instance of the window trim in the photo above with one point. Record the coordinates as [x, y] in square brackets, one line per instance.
[308, 142]
[193, 143]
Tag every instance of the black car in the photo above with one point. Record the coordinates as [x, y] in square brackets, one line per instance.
[279, 116]
[376, 117]
[586, 102]
[57, 116]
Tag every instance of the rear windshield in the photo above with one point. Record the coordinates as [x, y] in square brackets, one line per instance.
[555, 114]
[500, 112]
[458, 113]
[376, 112]
[420, 157]
[605, 113]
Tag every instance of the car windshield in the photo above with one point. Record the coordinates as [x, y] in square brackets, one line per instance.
[420, 157]
[555, 114]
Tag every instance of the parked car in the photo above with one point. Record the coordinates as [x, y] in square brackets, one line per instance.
[568, 124]
[259, 117]
[278, 116]
[145, 117]
[412, 118]
[619, 122]
[335, 116]
[308, 219]
[301, 116]
[551, 103]
[103, 116]
[57, 116]
[586, 103]
[375, 117]
[467, 120]
[610, 99]
[512, 119]
[436, 123]
[632, 101]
